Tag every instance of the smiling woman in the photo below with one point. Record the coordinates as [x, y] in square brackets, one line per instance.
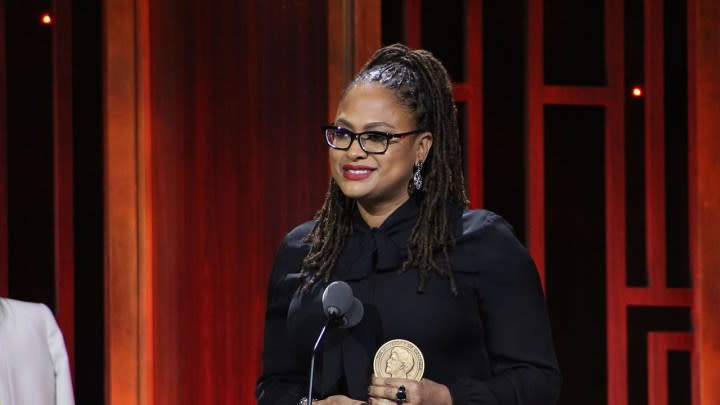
[376, 175]
[395, 227]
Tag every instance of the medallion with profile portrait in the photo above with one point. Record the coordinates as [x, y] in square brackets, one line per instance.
[399, 358]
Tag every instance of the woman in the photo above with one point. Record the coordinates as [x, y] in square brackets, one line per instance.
[34, 365]
[395, 227]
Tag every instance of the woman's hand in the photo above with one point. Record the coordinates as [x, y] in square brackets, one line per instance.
[339, 400]
[383, 391]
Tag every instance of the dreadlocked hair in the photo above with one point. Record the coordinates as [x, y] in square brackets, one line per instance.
[420, 83]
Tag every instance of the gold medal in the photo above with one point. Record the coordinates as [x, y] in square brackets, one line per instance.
[399, 358]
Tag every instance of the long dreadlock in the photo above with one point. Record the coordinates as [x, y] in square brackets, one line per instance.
[420, 83]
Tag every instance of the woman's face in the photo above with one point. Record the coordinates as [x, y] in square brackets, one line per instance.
[377, 179]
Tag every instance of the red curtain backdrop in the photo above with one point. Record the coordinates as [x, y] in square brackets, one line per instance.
[237, 93]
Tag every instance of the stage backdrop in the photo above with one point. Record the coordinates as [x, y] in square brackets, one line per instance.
[153, 154]
[594, 176]
[213, 153]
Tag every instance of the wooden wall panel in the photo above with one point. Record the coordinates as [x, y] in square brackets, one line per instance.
[200, 195]
[213, 154]
[620, 298]
[237, 94]
[655, 144]
[345, 53]
[126, 330]
[468, 91]
[704, 148]
[339, 51]
[615, 209]
[659, 346]
[413, 23]
[535, 145]
[474, 147]
[63, 212]
[3, 161]
[367, 26]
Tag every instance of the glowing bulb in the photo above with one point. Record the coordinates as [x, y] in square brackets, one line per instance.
[46, 19]
[637, 91]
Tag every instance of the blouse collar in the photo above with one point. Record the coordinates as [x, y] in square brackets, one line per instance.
[403, 217]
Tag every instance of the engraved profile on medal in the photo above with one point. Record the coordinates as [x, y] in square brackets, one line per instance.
[399, 358]
[400, 363]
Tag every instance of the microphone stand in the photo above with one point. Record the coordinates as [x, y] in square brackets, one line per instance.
[312, 361]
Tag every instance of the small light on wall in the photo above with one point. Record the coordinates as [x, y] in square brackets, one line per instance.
[46, 19]
[637, 91]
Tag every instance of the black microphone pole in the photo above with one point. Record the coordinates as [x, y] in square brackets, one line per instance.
[342, 310]
[312, 361]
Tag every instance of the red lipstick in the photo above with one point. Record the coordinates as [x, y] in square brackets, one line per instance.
[356, 172]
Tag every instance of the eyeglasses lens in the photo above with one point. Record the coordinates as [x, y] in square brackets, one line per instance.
[374, 143]
[370, 142]
[338, 139]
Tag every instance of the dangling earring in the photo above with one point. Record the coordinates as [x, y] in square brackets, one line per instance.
[417, 177]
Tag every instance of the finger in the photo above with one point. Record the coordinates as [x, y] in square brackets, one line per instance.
[395, 382]
[383, 380]
[383, 391]
[381, 401]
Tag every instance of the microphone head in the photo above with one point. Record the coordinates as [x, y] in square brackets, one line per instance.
[354, 315]
[337, 299]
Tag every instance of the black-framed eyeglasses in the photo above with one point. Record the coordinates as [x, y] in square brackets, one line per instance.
[370, 141]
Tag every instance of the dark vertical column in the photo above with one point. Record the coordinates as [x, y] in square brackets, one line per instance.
[3, 159]
[87, 181]
[636, 261]
[63, 168]
[505, 121]
[676, 143]
[30, 152]
[575, 236]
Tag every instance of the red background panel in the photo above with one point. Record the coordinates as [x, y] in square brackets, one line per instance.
[236, 96]
[212, 153]
[704, 148]
[216, 153]
[659, 344]
[63, 173]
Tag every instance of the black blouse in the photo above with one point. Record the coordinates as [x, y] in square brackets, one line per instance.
[490, 344]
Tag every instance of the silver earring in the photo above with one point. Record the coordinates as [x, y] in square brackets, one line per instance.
[417, 177]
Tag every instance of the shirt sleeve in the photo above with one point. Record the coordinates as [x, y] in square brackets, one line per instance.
[517, 328]
[61, 365]
[283, 379]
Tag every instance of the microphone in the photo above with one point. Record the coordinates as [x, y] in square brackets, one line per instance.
[343, 310]
[337, 299]
[353, 316]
